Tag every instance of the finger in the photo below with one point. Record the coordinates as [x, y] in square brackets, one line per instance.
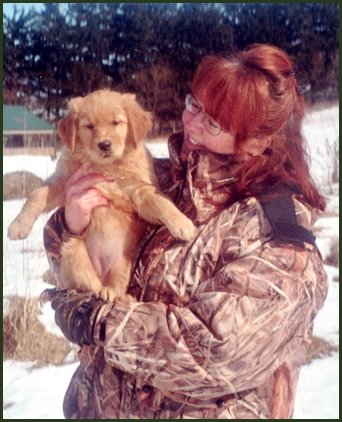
[97, 197]
[85, 180]
[93, 198]
[91, 195]
[78, 173]
[83, 184]
[78, 212]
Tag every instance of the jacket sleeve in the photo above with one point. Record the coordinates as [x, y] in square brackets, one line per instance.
[55, 233]
[254, 314]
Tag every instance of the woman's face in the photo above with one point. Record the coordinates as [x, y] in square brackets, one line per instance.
[197, 137]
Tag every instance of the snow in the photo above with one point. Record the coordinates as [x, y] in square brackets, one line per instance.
[37, 393]
[317, 391]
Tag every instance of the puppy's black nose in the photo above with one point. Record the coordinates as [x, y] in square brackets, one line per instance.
[104, 145]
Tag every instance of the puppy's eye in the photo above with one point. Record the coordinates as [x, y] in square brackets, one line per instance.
[90, 126]
[116, 122]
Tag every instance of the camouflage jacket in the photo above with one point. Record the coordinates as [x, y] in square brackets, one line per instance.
[221, 324]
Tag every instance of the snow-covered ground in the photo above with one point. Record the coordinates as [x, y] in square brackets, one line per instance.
[31, 393]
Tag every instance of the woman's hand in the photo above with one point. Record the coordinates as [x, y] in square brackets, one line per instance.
[81, 198]
[75, 313]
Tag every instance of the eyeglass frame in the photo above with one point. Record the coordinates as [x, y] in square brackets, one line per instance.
[190, 100]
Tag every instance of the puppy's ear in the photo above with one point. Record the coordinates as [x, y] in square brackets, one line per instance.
[139, 120]
[67, 126]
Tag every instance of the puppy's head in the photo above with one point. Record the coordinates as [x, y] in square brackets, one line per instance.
[104, 124]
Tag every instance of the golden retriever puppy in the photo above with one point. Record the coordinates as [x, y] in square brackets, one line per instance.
[105, 129]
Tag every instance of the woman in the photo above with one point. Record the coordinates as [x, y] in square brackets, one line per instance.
[222, 323]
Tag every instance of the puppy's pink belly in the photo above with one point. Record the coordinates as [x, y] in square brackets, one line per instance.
[105, 255]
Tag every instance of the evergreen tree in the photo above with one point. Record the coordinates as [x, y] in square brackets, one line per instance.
[153, 49]
[16, 41]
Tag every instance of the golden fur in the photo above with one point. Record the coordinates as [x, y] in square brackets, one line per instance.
[105, 129]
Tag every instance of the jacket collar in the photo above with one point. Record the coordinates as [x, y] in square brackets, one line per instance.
[209, 176]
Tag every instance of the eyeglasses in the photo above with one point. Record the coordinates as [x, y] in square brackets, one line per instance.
[194, 108]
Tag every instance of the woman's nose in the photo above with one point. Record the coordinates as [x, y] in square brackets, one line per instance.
[192, 122]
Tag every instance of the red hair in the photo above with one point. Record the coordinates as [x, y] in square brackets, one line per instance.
[254, 95]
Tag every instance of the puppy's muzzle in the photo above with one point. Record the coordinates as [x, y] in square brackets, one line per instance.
[104, 145]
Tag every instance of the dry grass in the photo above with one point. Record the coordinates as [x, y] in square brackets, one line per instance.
[19, 184]
[319, 349]
[26, 339]
[336, 278]
[333, 257]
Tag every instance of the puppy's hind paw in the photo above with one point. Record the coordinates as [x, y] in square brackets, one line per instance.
[111, 295]
[108, 294]
[126, 298]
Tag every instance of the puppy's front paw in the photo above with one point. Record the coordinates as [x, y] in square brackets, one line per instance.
[182, 228]
[18, 230]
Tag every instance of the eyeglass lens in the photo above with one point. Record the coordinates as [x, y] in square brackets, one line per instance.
[194, 108]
